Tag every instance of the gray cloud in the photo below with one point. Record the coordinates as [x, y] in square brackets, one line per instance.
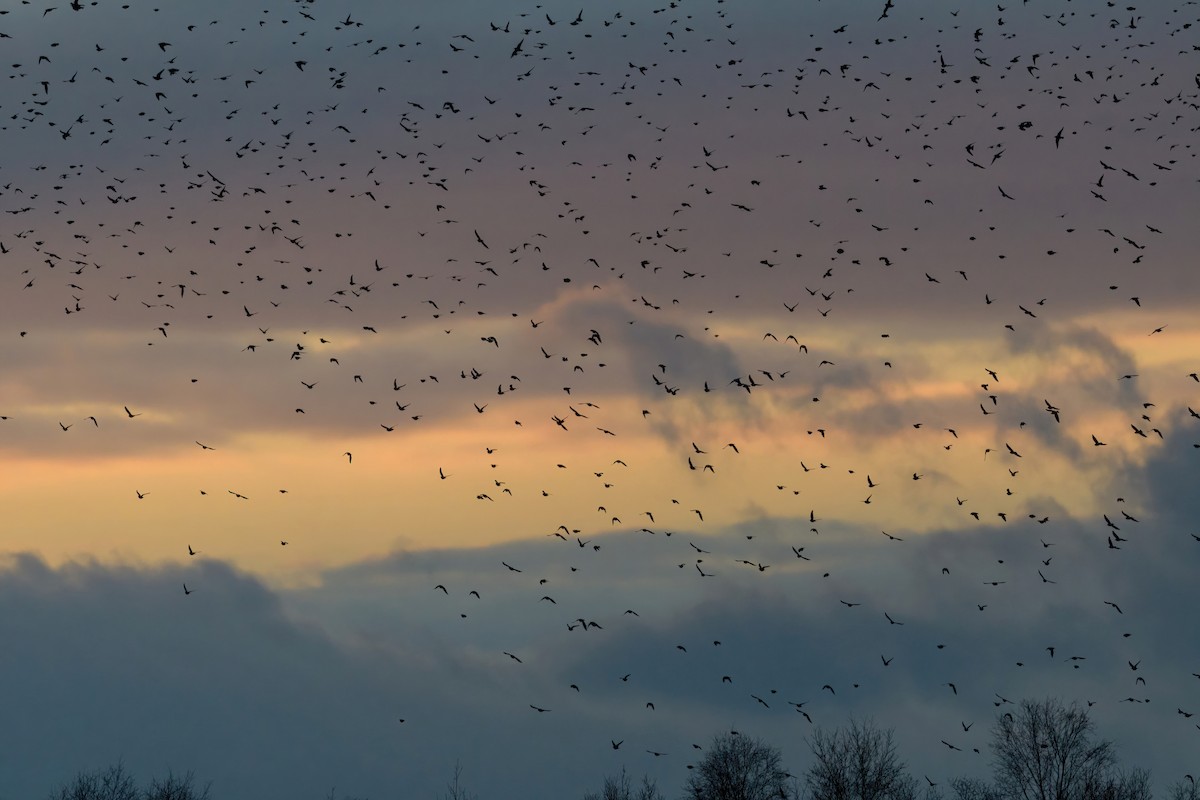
[377, 641]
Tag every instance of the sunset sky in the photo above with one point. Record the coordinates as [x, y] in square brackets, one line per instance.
[778, 340]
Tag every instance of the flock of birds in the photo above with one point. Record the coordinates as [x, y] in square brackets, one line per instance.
[656, 224]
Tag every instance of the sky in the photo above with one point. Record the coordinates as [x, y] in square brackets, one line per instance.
[390, 386]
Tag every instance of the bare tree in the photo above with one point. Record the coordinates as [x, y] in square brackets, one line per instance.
[113, 783]
[619, 787]
[1183, 790]
[737, 767]
[334, 796]
[974, 789]
[858, 762]
[175, 787]
[1048, 751]
[455, 789]
[1122, 785]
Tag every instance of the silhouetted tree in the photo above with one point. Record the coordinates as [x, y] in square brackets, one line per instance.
[974, 789]
[1125, 785]
[113, 783]
[175, 787]
[619, 787]
[1048, 751]
[738, 768]
[454, 789]
[1183, 790]
[333, 795]
[858, 762]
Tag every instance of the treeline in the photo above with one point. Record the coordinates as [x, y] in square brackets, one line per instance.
[116, 783]
[1043, 750]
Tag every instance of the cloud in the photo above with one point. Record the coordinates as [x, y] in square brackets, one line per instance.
[222, 682]
[240, 664]
[786, 629]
